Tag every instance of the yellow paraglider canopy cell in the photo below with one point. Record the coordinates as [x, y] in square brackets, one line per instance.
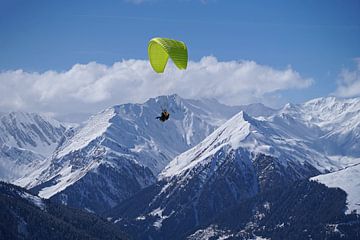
[160, 49]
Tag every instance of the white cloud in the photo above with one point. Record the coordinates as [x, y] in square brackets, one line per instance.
[348, 84]
[92, 87]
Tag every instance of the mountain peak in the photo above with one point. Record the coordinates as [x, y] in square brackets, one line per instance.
[289, 107]
[243, 116]
[228, 135]
[166, 99]
[95, 127]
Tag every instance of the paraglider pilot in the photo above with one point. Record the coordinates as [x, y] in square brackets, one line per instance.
[164, 116]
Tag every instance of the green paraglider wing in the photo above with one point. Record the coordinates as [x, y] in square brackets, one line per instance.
[160, 49]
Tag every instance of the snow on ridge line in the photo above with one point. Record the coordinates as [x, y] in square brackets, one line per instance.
[67, 178]
[348, 180]
[26, 117]
[233, 131]
[30, 131]
[95, 127]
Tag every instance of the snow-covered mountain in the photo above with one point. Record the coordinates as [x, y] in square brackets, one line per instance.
[348, 179]
[237, 161]
[244, 157]
[205, 159]
[122, 149]
[279, 137]
[339, 122]
[26, 140]
[292, 137]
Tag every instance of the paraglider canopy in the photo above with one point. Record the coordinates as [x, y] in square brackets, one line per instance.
[160, 49]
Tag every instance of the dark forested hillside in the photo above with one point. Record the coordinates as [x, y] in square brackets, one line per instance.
[25, 216]
[301, 210]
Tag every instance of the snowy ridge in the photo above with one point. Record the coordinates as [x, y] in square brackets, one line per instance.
[232, 132]
[203, 138]
[134, 127]
[94, 127]
[329, 112]
[348, 179]
[67, 177]
[338, 119]
[30, 131]
[64, 171]
[17, 162]
[131, 130]
[26, 140]
[255, 161]
[290, 141]
[279, 136]
[126, 137]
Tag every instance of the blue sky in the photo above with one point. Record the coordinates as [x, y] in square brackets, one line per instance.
[317, 39]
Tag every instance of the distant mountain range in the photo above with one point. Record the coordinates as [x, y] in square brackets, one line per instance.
[122, 149]
[209, 162]
[26, 140]
[246, 158]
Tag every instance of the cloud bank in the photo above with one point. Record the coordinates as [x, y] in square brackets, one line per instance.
[348, 84]
[92, 87]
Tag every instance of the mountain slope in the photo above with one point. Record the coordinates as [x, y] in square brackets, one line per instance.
[234, 163]
[274, 137]
[244, 157]
[302, 210]
[26, 139]
[127, 144]
[25, 216]
[348, 180]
